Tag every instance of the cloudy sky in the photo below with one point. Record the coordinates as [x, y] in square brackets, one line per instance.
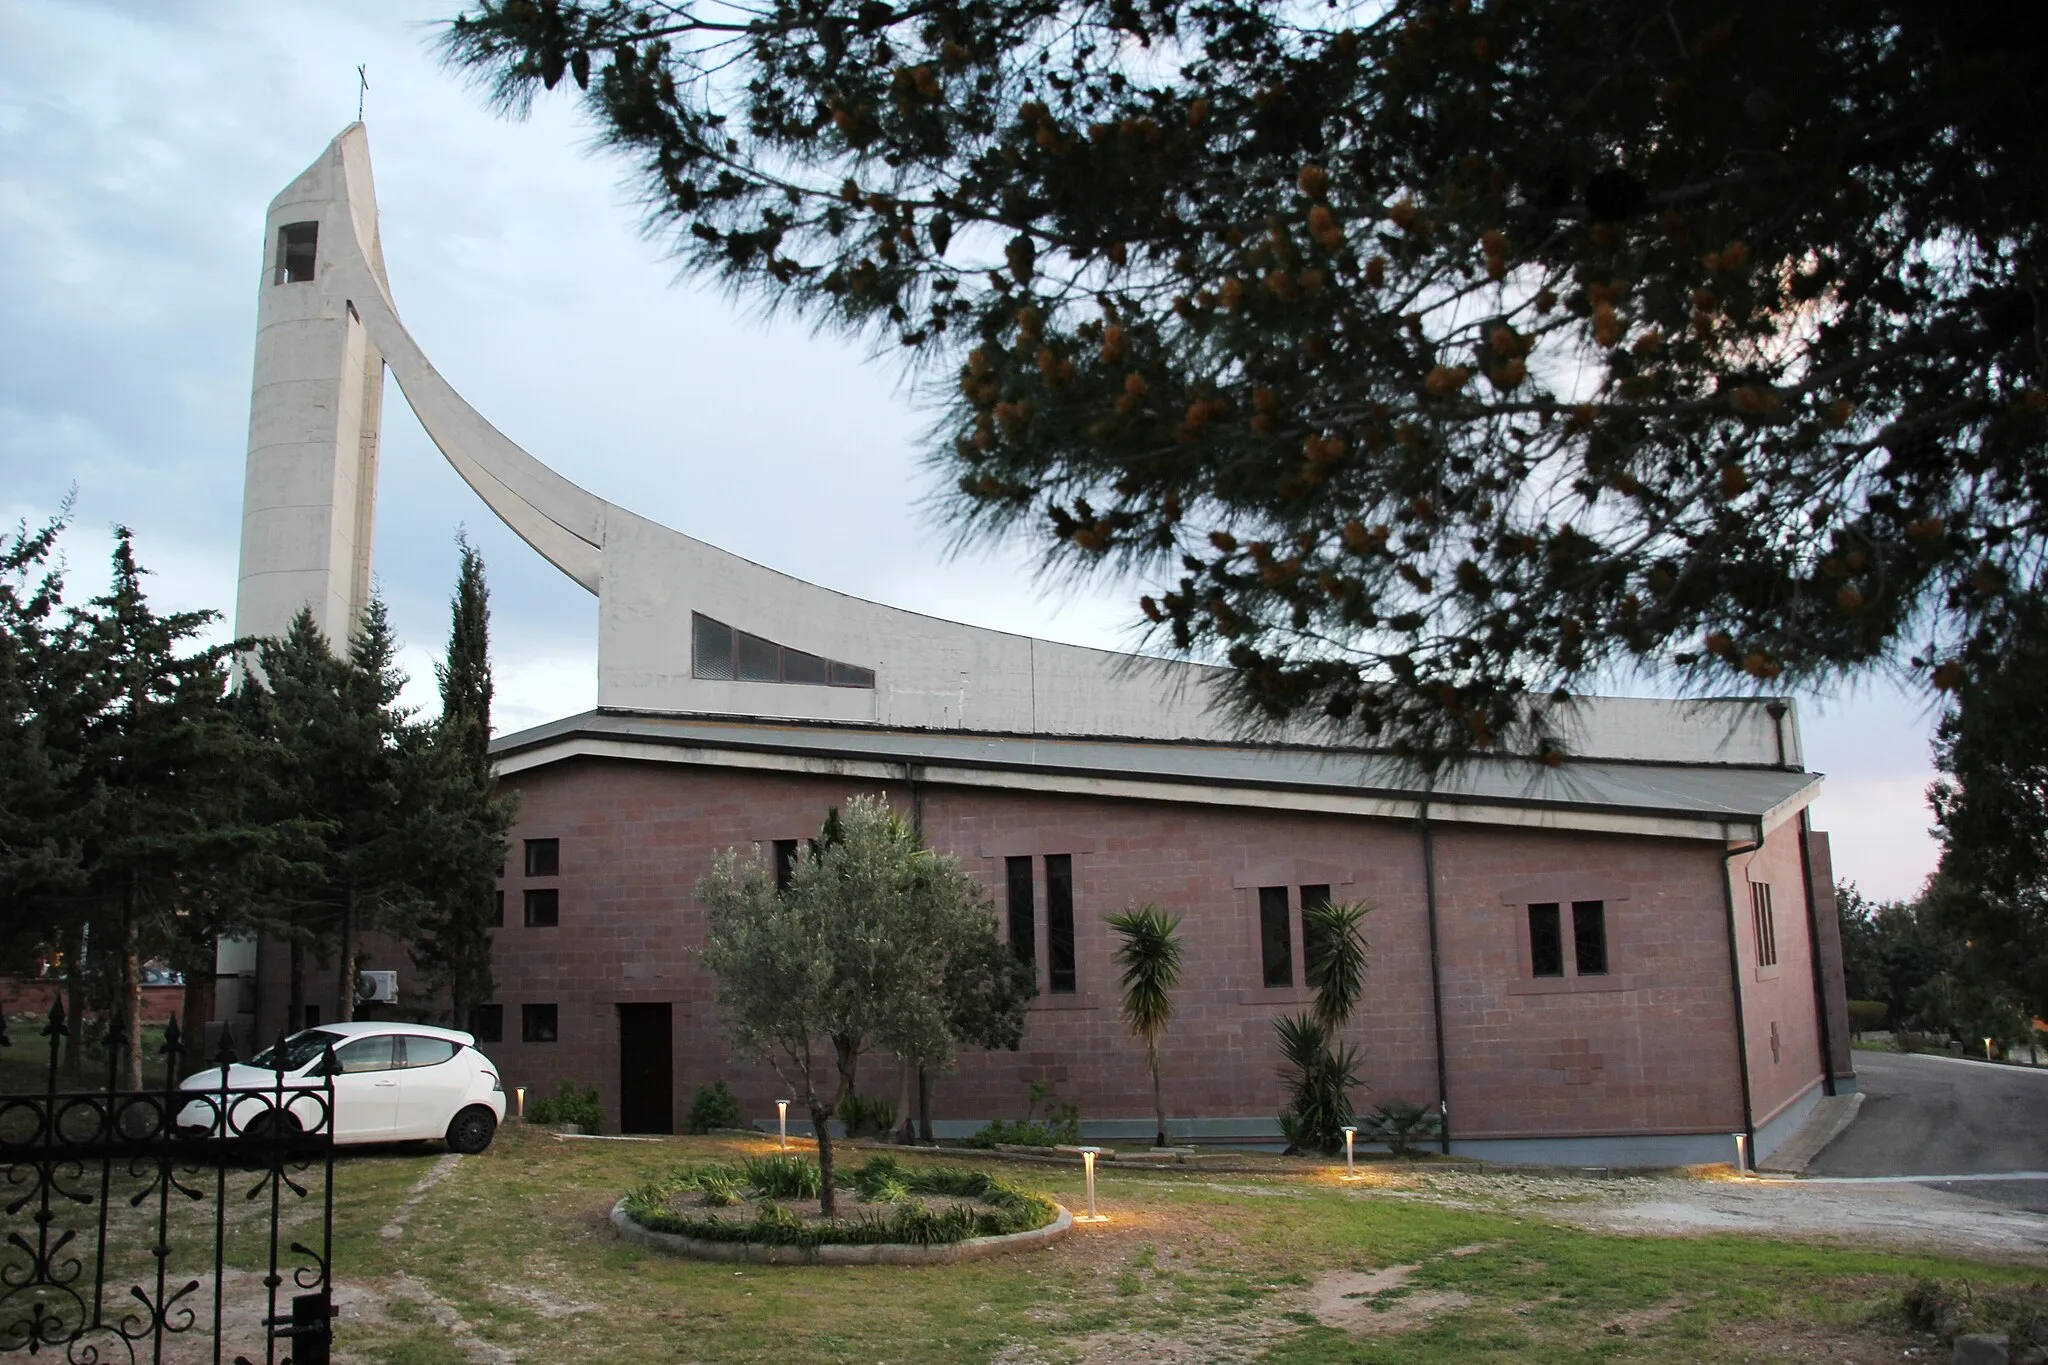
[139, 145]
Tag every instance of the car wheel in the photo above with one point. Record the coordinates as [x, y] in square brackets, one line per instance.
[472, 1130]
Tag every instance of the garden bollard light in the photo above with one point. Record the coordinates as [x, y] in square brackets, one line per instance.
[1088, 1160]
[1741, 1153]
[519, 1097]
[1987, 1051]
[1350, 1171]
[782, 1121]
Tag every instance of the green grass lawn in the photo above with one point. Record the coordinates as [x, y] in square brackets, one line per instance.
[513, 1250]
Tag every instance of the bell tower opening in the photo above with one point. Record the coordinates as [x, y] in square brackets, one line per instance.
[297, 245]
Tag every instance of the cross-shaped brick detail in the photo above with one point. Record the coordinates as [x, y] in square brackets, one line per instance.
[1774, 1042]
[1577, 1060]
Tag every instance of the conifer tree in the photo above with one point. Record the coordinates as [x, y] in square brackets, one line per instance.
[352, 765]
[37, 859]
[463, 843]
[1430, 358]
[155, 802]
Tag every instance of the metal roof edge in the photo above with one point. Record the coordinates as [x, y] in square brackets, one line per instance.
[1399, 803]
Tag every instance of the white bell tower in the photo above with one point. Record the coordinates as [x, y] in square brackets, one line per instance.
[310, 492]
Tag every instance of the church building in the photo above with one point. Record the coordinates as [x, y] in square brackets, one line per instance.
[1631, 959]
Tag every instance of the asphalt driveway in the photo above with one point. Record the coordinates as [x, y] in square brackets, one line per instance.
[1937, 1116]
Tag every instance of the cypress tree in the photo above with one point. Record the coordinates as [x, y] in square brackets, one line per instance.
[466, 830]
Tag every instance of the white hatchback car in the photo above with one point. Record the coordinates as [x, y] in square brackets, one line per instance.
[392, 1083]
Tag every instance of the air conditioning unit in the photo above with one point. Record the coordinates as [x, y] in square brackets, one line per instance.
[380, 987]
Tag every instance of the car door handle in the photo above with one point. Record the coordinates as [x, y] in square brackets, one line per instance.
[382, 1084]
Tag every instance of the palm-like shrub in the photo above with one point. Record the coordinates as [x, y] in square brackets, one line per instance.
[1403, 1125]
[1320, 1072]
[1150, 957]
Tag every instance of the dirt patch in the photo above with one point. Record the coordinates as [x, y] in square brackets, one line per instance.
[1376, 1302]
[436, 1173]
[1902, 1216]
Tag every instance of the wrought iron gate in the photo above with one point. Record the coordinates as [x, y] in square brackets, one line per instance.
[167, 1225]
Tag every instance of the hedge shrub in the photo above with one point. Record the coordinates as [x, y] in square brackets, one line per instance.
[881, 1182]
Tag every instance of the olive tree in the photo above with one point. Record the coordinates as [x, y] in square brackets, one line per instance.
[849, 960]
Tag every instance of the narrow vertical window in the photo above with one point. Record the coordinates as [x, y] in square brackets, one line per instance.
[1589, 937]
[497, 909]
[1023, 912]
[1765, 923]
[543, 857]
[1276, 946]
[297, 248]
[1312, 945]
[1546, 941]
[785, 863]
[1059, 922]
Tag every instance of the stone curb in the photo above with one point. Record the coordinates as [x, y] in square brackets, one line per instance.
[1829, 1119]
[884, 1253]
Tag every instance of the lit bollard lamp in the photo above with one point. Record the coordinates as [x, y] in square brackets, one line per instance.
[782, 1121]
[1088, 1155]
[519, 1099]
[1350, 1135]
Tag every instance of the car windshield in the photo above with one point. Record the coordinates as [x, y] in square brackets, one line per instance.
[298, 1050]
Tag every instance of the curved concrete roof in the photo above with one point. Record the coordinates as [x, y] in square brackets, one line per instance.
[929, 675]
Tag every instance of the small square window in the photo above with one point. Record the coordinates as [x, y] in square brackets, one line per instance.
[497, 909]
[536, 1023]
[543, 907]
[1546, 941]
[1589, 937]
[297, 248]
[543, 857]
[487, 1023]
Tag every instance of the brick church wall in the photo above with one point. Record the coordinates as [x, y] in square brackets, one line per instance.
[1649, 1049]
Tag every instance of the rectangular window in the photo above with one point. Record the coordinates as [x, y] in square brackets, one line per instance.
[710, 649]
[1589, 937]
[312, 1016]
[760, 660]
[297, 246]
[543, 857]
[799, 667]
[1312, 898]
[1023, 910]
[543, 907]
[487, 1023]
[1059, 922]
[536, 1023]
[497, 909]
[1276, 943]
[1546, 941]
[1766, 924]
[785, 863]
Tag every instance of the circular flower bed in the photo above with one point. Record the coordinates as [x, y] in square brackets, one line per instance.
[765, 1209]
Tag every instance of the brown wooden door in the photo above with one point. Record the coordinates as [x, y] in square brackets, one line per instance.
[646, 1070]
